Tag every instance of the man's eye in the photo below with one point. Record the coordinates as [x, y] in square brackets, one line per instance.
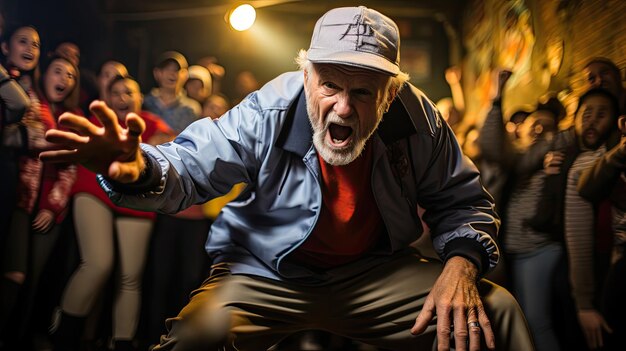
[362, 92]
[330, 85]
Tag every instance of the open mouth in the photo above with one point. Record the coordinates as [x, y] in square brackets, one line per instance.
[591, 133]
[339, 135]
[59, 88]
[28, 56]
[123, 108]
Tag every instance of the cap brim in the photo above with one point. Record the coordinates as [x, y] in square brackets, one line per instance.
[354, 58]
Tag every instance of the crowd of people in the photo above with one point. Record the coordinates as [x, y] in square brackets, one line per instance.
[109, 275]
[41, 201]
[556, 180]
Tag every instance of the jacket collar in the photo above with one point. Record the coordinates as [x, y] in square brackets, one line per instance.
[296, 134]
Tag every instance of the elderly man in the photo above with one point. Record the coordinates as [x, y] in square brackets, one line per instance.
[337, 158]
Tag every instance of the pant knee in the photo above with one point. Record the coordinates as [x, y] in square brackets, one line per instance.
[507, 319]
[130, 282]
[499, 300]
[207, 332]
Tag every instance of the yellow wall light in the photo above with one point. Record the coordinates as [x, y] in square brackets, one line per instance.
[242, 18]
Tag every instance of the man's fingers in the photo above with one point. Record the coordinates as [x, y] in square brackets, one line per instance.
[460, 328]
[598, 337]
[425, 316]
[443, 327]
[106, 116]
[606, 327]
[77, 123]
[136, 126]
[68, 139]
[485, 327]
[473, 330]
[593, 339]
[71, 156]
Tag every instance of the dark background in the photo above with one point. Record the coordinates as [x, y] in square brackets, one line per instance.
[136, 31]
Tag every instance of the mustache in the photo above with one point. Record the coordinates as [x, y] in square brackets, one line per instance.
[333, 117]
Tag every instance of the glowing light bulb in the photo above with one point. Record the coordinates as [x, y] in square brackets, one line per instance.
[242, 17]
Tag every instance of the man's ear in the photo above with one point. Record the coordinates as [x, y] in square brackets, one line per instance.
[393, 92]
[5, 48]
[306, 75]
[156, 72]
[621, 124]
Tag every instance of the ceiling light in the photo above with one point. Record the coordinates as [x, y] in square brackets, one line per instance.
[242, 18]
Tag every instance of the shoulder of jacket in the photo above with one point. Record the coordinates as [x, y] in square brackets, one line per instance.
[410, 113]
[279, 92]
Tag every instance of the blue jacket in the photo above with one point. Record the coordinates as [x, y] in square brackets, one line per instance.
[266, 142]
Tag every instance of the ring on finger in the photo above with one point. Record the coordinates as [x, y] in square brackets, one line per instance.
[473, 324]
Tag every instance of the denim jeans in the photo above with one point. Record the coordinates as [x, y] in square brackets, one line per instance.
[533, 277]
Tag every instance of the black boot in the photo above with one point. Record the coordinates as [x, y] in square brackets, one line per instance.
[124, 345]
[66, 331]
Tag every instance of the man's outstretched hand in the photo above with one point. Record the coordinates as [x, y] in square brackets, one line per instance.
[110, 150]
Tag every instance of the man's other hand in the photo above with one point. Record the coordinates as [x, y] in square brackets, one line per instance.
[454, 299]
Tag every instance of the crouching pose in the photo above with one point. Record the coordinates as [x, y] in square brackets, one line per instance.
[336, 158]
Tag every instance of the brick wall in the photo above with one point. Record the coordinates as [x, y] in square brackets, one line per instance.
[583, 28]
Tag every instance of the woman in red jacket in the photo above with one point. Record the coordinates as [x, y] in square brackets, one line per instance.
[100, 226]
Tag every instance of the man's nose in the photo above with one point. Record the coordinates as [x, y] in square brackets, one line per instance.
[343, 106]
[592, 120]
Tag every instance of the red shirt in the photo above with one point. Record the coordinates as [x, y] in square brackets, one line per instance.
[349, 224]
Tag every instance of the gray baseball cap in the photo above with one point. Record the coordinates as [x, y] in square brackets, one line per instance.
[357, 36]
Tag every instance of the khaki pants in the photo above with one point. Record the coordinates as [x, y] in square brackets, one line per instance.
[378, 307]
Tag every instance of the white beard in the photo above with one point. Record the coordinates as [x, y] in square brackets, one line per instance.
[345, 155]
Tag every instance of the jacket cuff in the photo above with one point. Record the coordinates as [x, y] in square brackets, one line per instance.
[149, 180]
[470, 249]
